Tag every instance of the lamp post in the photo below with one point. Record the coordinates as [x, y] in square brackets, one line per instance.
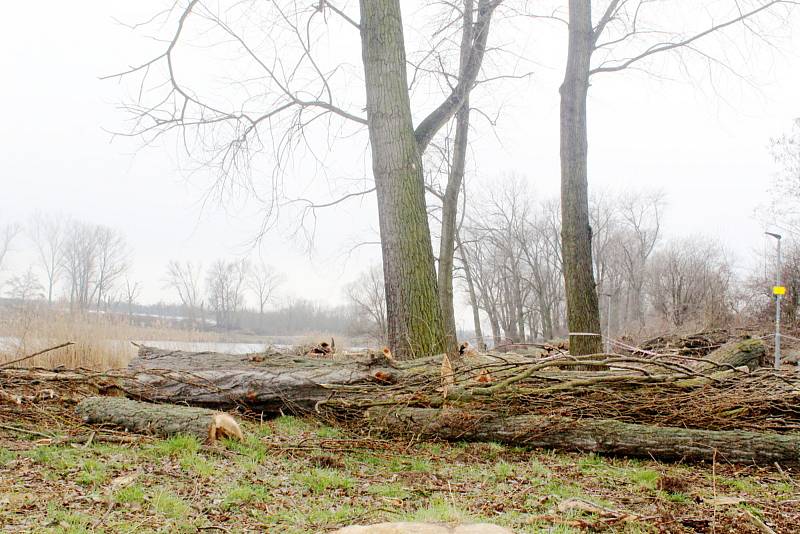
[778, 291]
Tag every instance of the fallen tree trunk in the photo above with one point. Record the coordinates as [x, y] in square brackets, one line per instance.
[749, 352]
[603, 436]
[268, 383]
[632, 389]
[668, 407]
[158, 419]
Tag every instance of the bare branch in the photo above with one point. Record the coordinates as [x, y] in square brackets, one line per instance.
[664, 47]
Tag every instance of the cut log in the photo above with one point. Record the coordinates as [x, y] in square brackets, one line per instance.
[158, 419]
[749, 352]
[602, 436]
[268, 383]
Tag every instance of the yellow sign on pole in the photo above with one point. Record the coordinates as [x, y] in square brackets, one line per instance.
[779, 290]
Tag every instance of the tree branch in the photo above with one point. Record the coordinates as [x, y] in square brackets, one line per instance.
[664, 47]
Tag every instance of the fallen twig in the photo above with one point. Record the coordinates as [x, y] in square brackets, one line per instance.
[29, 356]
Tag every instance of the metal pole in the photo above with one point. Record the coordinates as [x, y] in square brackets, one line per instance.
[778, 312]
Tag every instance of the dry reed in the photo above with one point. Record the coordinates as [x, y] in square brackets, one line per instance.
[101, 341]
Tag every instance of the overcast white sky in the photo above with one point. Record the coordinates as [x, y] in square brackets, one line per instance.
[705, 146]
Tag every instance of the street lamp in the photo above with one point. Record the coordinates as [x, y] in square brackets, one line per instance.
[778, 291]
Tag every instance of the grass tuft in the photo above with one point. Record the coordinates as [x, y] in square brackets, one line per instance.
[322, 480]
[133, 494]
[167, 503]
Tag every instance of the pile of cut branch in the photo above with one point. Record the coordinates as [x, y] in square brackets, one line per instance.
[676, 405]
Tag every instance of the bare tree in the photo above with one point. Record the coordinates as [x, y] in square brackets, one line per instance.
[225, 283]
[25, 287]
[786, 188]
[474, 33]
[690, 279]
[290, 91]
[786, 151]
[93, 259]
[541, 248]
[366, 295]
[112, 260]
[132, 291]
[263, 280]
[7, 235]
[184, 279]
[623, 37]
[49, 233]
[80, 263]
[641, 221]
[511, 249]
[625, 230]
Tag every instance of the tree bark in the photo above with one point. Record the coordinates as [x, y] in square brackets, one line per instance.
[454, 180]
[146, 418]
[449, 215]
[266, 383]
[415, 323]
[583, 313]
[603, 436]
[749, 353]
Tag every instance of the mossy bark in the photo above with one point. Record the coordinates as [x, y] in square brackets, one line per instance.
[583, 312]
[415, 322]
[748, 352]
[603, 436]
[146, 418]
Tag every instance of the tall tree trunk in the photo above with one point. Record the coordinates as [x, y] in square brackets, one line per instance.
[547, 319]
[449, 216]
[532, 332]
[415, 324]
[519, 305]
[473, 297]
[583, 313]
[491, 311]
[454, 180]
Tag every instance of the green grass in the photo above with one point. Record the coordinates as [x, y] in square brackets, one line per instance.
[535, 468]
[167, 503]
[502, 470]
[439, 510]
[244, 494]
[562, 489]
[322, 480]
[677, 497]
[6, 456]
[645, 477]
[176, 447]
[392, 491]
[133, 494]
[59, 459]
[92, 473]
[590, 462]
[197, 464]
[252, 448]
[67, 522]
[291, 426]
[328, 432]
[277, 481]
[741, 485]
